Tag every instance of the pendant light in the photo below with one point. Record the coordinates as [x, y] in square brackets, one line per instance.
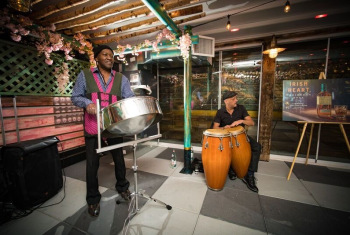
[287, 7]
[228, 25]
[273, 49]
[20, 5]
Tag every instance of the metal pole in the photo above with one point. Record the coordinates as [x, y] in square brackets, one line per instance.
[318, 142]
[158, 124]
[260, 87]
[327, 57]
[220, 78]
[98, 124]
[134, 167]
[2, 125]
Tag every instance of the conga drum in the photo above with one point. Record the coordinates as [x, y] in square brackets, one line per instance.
[241, 152]
[216, 157]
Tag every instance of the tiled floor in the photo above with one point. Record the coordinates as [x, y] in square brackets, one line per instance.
[314, 201]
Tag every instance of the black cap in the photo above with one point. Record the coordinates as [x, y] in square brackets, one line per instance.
[228, 94]
[98, 49]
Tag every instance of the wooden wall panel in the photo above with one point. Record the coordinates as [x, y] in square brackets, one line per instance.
[69, 144]
[35, 121]
[39, 117]
[40, 132]
[28, 122]
[71, 135]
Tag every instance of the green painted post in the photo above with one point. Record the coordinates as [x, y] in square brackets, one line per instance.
[162, 15]
[187, 109]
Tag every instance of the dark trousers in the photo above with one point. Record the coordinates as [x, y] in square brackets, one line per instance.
[93, 195]
[254, 161]
[256, 150]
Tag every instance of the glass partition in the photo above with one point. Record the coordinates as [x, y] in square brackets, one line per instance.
[339, 58]
[241, 72]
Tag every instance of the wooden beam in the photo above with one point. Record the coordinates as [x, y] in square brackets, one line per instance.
[182, 12]
[95, 21]
[85, 11]
[122, 28]
[117, 39]
[266, 106]
[157, 28]
[81, 26]
[186, 11]
[36, 1]
[55, 8]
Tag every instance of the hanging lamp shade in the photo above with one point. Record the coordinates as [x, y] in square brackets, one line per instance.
[273, 49]
[20, 5]
[287, 7]
[228, 24]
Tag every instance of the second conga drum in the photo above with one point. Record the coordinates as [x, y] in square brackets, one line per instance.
[241, 152]
[216, 157]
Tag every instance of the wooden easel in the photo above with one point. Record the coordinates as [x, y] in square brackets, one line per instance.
[318, 140]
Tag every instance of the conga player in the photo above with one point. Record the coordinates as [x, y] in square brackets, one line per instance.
[108, 86]
[234, 114]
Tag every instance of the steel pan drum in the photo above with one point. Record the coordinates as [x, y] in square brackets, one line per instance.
[130, 116]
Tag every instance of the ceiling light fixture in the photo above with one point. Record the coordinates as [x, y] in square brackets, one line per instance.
[20, 5]
[287, 7]
[273, 49]
[234, 30]
[321, 16]
[228, 25]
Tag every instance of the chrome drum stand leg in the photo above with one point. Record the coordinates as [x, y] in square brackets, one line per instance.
[134, 204]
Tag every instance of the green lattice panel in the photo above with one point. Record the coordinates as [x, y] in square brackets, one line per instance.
[23, 72]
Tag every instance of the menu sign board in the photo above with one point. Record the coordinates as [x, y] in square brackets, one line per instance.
[320, 100]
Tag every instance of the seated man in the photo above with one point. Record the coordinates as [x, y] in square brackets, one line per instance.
[233, 115]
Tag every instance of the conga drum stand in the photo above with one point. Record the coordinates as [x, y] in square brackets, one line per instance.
[134, 206]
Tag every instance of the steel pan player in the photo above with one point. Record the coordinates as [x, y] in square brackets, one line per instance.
[233, 115]
[109, 86]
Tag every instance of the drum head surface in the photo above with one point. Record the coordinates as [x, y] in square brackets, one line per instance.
[216, 132]
[236, 130]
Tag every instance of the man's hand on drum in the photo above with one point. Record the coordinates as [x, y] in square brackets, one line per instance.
[91, 108]
[236, 123]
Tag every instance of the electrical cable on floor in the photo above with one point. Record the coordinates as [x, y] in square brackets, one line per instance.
[24, 213]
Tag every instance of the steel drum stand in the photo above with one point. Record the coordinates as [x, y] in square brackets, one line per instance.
[134, 206]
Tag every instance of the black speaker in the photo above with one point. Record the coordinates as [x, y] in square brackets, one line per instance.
[33, 171]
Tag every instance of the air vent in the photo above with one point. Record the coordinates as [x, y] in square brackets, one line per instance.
[205, 47]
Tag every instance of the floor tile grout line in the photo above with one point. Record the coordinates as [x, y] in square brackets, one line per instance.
[263, 215]
[312, 195]
[62, 221]
[194, 228]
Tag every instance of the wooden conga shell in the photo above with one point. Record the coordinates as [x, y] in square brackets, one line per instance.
[216, 157]
[241, 151]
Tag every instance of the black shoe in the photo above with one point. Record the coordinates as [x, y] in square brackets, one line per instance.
[126, 195]
[94, 210]
[249, 180]
[232, 175]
